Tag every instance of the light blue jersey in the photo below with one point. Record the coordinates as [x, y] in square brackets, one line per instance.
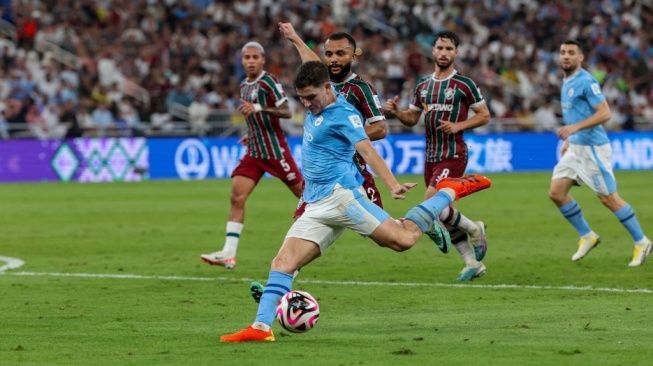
[328, 146]
[579, 95]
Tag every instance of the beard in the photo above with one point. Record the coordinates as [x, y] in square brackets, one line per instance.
[445, 65]
[570, 69]
[344, 71]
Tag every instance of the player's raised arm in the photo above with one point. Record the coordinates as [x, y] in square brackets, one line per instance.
[305, 52]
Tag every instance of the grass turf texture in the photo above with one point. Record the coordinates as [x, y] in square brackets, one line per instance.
[404, 310]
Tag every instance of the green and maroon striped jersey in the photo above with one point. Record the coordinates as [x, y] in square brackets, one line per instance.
[361, 95]
[266, 138]
[448, 99]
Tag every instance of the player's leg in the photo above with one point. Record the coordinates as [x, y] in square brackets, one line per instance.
[244, 179]
[626, 215]
[294, 253]
[242, 187]
[565, 175]
[605, 186]
[256, 289]
[308, 237]
[457, 222]
[473, 268]
[425, 215]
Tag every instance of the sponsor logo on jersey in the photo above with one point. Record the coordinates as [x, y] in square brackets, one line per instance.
[438, 107]
[377, 102]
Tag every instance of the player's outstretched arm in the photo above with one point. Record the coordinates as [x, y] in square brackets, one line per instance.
[305, 52]
[378, 165]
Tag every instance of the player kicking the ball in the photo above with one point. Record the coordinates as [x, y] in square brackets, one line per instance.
[336, 201]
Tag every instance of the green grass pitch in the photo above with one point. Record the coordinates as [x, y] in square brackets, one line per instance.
[112, 276]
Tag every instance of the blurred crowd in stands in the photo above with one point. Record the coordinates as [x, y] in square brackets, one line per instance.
[139, 67]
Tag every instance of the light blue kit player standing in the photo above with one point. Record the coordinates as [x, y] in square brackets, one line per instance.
[333, 130]
[587, 156]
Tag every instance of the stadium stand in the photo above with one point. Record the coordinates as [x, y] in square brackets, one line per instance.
[140, 67]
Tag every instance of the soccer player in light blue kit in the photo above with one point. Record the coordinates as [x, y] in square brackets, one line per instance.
[587, 156]
[333, 131]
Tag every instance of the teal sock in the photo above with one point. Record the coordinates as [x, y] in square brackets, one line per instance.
[279, 284]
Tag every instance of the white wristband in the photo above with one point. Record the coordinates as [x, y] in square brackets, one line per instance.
[257, 108]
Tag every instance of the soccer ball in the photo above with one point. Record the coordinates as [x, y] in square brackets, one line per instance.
[298, 311]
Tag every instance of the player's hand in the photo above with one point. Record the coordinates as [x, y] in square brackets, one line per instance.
[244, 140]
[288, 31]
[246, 108]
[448, 127]
[566, 131]
[398, 193]
[391, 105]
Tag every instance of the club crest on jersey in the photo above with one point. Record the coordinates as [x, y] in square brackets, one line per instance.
[570, 92]
[355, 121]
[448, 93]
[318, 121]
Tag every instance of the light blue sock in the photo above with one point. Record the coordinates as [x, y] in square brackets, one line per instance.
[428, 211]
[279, 284]
[574, 215]
[628, 219]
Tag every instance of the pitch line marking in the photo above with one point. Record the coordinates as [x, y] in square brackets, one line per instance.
[340, 283]
[12, 263]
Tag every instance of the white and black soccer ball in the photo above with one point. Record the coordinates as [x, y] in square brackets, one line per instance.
[298, 311]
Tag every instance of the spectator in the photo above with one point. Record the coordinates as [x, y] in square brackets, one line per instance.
[102, 118]
[545, 117]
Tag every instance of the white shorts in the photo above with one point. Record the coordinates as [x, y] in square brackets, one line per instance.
[589, 164]
[324, 221]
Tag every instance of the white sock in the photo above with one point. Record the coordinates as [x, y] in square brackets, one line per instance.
[233, 235]
[464, 224]
[467, 225]
[261, 326]
[590, 235]
[466, 251]
[642, 242]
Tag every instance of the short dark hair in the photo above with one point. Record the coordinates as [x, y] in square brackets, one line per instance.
[342, 35]
[446, 34]
[574, 42]
[311, 73]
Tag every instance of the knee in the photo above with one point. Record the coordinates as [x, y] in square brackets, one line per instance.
[237, 199]
[556, 196]
[281, 265]
[612, 202]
